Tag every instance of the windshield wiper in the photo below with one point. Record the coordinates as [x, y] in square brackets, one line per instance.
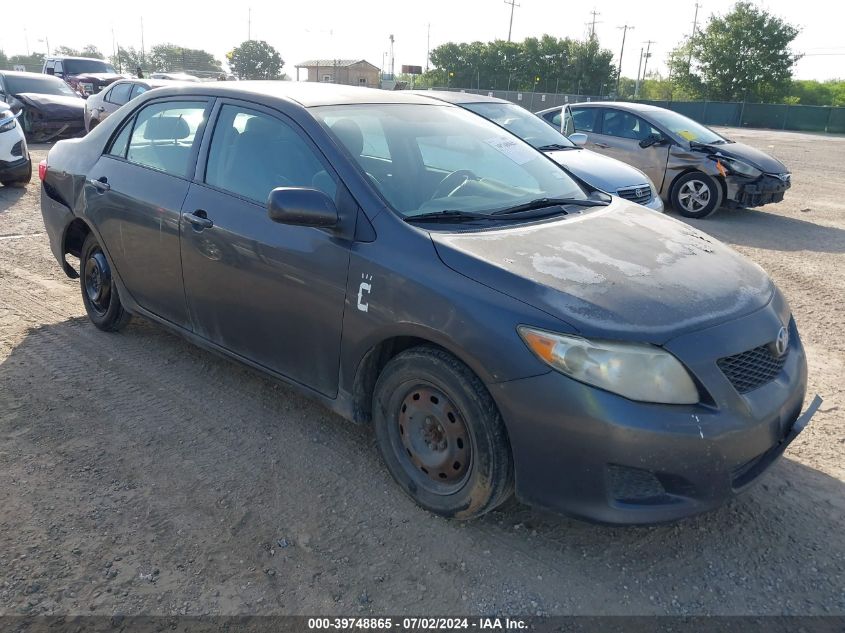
[555, 146]
[542, 203]
[448, 215]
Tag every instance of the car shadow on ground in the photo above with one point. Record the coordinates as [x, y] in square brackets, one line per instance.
[9, 196]
[191, 435]
[759, 229]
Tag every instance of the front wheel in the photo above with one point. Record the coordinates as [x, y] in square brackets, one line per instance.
[99, 289]
[696, 195]
[441, 435]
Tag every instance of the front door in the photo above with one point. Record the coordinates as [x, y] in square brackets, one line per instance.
[134, 195]
[271, 293]
[619, 137]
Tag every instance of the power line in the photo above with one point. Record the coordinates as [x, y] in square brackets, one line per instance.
[625, 28]
[510, 26]
[592, 23]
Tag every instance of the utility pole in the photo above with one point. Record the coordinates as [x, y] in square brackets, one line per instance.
[647, 55]
[639, 68]
[392, 59]
[249, 23]
[510, 26]
[143, 55]
[592, 24]
[692, 37]
[625, 28]
[428, 47]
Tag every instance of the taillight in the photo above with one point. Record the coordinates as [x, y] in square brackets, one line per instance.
[42, 170]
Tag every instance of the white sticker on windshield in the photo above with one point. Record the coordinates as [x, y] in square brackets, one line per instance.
[519, 153]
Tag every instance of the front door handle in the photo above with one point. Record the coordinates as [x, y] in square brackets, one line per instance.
[101, 184]
[199, 219]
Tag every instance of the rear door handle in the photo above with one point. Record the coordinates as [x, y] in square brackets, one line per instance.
[199, 219]
[101, 184]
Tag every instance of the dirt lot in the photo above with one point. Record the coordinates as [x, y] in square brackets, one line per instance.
[139, 474]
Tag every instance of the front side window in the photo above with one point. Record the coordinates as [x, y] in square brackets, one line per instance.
[138, 89]
[252, 153]
[626, 125]
[445, 158]
[164, 134]
[585, 119]
[121, 141]
[58, 68]
[119, 94]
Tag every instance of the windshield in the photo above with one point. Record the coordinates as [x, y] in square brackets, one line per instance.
[685, 127]
[38, 84]
[81, 66]
[521, 122]
[431, 158]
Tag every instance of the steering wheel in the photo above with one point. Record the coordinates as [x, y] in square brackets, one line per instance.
[451, 183]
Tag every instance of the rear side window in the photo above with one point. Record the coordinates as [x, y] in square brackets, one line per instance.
[585, 119]
[137, 89]
[252, 153]
[118, 146]
[553, 118]
[119, 94]
[164, 135]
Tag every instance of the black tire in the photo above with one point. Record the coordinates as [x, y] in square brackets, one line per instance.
[99, 289]
[441, 435]
[696, 195]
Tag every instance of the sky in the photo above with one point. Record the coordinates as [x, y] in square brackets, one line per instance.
[361, 30]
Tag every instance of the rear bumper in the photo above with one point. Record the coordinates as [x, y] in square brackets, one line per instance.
[766, 189]
[585, 452]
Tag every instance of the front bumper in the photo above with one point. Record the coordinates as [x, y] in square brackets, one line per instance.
[589, 453]
[655, 204]
[766, 189]
[15, 170]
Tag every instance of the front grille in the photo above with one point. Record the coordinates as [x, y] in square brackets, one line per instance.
[640, 195]
[634, 485]
[17, 149]
[752, 369]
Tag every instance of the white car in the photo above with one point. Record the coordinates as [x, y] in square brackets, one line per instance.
[15, 163]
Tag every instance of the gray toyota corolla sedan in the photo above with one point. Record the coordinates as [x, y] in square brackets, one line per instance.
[417, 268]
[602, 172]
[696, 169]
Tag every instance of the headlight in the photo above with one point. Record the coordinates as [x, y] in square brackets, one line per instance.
[7, 120]
[639, 372]
[735, 166]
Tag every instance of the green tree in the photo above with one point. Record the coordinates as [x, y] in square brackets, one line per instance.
[33, 63]
[255, 59]
[128, 59]
[743, 55]
[171, 57]
[89, 50]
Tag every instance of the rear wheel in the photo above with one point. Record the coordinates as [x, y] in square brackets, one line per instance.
[441, 435]
[696, 195]
[99, 290]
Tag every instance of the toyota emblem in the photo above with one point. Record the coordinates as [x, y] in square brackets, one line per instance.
[782, 341]
[639, 193]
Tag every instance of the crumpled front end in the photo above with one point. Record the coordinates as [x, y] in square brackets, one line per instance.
[767, 189]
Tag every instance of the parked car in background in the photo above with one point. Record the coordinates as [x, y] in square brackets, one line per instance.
[602, 172]
[696, 169]
[85, 75]
[500, 324]
[174, 76]
[15, 163]
[49, 109]
[101, 105]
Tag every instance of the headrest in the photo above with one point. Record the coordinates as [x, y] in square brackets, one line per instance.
[166, 128]
[350, 135]
[262, 126]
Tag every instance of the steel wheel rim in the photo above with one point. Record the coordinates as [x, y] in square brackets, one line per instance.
[98, 281]
[694, 195]
[433, 440]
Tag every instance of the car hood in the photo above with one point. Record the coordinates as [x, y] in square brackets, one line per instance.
[100, 77]
[602, 172]
[53, 106]
[619, 272]
[758, 159]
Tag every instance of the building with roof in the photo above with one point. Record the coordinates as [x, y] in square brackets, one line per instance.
[349, 72]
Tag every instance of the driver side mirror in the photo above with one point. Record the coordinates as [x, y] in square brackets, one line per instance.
[579, 138]
[301, 206]
[652, 139]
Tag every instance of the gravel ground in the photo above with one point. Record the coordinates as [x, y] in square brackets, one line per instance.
[141, 475]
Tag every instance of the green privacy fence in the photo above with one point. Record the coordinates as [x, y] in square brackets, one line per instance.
[775, 116]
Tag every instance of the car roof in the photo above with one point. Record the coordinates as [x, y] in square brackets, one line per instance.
[150, 83]
[306, 94]
[89, 59]
[630, 106]
[457, 97]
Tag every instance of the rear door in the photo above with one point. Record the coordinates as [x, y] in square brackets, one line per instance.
[620, 136]
[134, 195]
[271, 293]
